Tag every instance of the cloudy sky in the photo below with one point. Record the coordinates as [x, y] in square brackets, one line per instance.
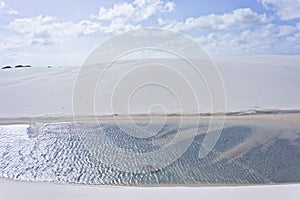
[60, 32]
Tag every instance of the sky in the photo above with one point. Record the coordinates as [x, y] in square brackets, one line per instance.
[63, 33]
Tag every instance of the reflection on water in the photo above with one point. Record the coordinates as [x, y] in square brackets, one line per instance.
[252, 152]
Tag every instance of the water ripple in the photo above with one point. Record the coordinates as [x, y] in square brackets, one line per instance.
[56, 153]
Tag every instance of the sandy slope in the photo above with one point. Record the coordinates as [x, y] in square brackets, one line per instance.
[263, 82]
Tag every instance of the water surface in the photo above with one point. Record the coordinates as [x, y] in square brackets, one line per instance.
[247, 152]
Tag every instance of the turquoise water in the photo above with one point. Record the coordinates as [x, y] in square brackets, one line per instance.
[252, 152]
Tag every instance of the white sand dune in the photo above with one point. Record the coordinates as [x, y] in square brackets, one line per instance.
[261, 82]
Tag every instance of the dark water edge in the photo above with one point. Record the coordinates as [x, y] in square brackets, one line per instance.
[252, 152]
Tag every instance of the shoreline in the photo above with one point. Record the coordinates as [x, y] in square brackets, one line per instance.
[291, 116]
[189, 185]
[36, 190]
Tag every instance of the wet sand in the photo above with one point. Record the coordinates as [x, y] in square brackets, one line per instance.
[287, 117]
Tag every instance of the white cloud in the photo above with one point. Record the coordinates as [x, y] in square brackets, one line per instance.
[147, 8]
[123, 9]
[46, 29]
[137, 11]
[239, 18]
[119, 25]
[162, 22]
[2, 4]
[11, 11]
[4, 9]
[12, 43]
[285, 9]
[127, 16]
[255, 41]
[170, 6]
[239, 32]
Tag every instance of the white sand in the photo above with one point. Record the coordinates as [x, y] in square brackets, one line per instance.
[263, 82]
[11, 190]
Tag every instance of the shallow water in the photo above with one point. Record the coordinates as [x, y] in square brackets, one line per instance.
[249, 152]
